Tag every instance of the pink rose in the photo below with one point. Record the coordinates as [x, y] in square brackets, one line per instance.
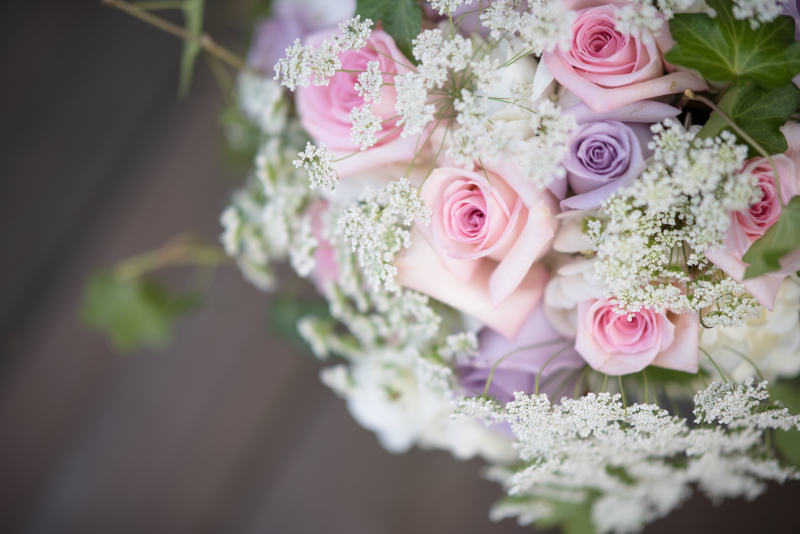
[608, 69]
[325, 110]
[747, 226]
[488, 228]
[616, 344]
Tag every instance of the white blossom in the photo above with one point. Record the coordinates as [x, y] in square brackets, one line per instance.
[318, 162]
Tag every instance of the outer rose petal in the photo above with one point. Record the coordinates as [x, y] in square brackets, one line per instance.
[683, 354]
[419, 268]
[603, 99]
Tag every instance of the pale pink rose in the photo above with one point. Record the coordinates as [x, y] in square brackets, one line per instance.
[747, 226]
[608, 69]
[489, 226]
[420, 267]
[326, 268]
[325, 110]
[618, 344]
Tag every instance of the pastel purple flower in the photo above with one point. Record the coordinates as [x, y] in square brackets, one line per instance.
[603, 156]
[607, 151]
[525, 356]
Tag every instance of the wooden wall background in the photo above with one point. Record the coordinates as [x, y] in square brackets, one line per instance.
[228, 430]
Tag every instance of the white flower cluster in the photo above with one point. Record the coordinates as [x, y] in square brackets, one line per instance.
[305, 65]
[264, 221]
[261, 100]
[570, 452]
[652, 234]
[541, 27]
[540, 154]
[757, 11]
[447, 7]
[377, 228]
[648, 15]
[318, 162]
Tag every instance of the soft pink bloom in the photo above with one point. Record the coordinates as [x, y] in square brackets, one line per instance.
[325, 110]
[608, 69]
[747, 226]
[326, 268]
[488, 228]
[420, 267]
[618, 344]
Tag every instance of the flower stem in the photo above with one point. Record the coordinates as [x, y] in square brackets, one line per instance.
[181, 250]
[502, 358]
[204, 41]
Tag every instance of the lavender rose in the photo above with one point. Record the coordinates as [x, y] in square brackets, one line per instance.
[607, 151]
[603, 156]
[523, 361]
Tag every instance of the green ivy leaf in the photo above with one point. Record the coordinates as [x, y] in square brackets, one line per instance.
[782, 238]
[788, 442]
[723, 48]
[133, 313]
[759, 112]
[402, 19]
[193, 22]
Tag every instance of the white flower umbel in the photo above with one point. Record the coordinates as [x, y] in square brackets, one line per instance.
[379, 226]
[263, 222]
[757, 11]
[370, 82]
[447, 7]
[651, 235]
[318, 162]
[543, 26]
[261, 100]
[304, 65]
[366, 126]
[570, 452]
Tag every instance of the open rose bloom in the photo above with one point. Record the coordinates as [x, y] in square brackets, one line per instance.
[525, 199]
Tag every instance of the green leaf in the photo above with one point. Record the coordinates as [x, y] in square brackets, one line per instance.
[782, 238]
[402, 19]
[788, 442]
[723, 48]
[759, 112]
[132, 312]
[573, 518]
[285, 312]
[193, 22]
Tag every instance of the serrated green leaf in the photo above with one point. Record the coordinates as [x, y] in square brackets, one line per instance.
[402, 19]
[724, 48]
[193, 22]
[132, 312]
[783, 237]
[758, 111]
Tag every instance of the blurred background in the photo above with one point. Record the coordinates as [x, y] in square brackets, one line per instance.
[228, 429]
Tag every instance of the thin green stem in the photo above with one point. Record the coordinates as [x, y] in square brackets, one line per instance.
[155, 5]
[622, 390]
[748, 360]
[502, 358]
[550, 359]
[204, 41]
[721, 374]
[605, 382]
[646, 387]
[181, 250]
[581, 378]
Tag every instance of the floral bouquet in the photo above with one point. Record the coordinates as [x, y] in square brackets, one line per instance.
[547, 232]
